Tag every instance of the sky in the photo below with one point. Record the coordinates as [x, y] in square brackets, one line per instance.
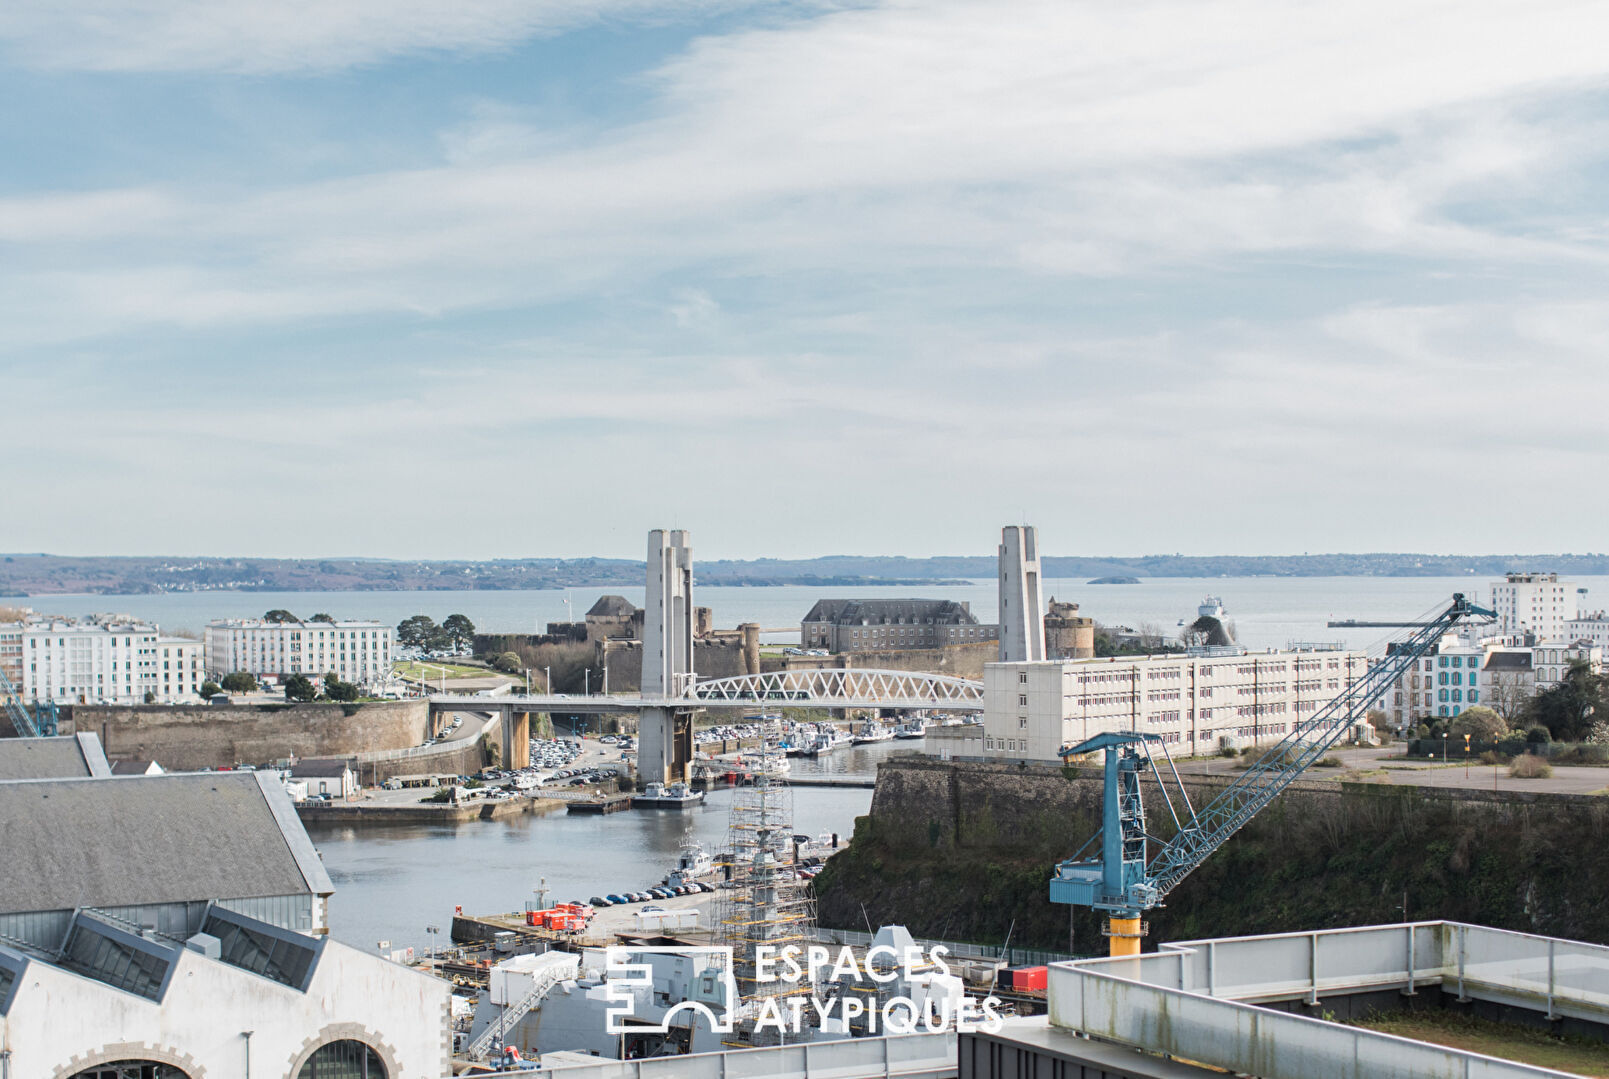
[502, 278]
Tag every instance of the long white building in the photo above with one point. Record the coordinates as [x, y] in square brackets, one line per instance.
[107, 660]
[355, 651]
[1196, 703]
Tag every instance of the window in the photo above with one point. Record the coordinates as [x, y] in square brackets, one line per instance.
[1022, 700]
[132, 1069]
[121, 960]
[345, 1059]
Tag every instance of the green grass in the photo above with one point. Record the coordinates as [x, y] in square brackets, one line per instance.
[430, 672]
[1581, 1056]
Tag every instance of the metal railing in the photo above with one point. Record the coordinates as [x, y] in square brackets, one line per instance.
[1194, 999]
[833, 686]
[891, 1056]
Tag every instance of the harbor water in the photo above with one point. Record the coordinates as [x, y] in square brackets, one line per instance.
[393, 880]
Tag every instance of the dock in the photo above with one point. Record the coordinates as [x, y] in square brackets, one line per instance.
[613, 803]
[866, 782]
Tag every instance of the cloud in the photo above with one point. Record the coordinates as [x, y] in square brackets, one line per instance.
[972, 255]
[244, 36]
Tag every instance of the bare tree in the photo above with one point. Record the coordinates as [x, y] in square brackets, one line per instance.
[1506, 695]
[1150, 636]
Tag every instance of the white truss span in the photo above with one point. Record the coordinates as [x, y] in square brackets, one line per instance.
[837, 688]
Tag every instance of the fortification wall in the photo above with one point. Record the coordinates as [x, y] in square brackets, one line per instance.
[964, 850]
[206, 736]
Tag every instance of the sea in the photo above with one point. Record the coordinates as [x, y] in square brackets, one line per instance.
[393, 881]
[1268, 612]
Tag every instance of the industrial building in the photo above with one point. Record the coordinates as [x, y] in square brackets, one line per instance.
[355, 651]
[1196, 703]
[173, 927]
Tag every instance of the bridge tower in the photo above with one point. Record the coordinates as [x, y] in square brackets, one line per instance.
[665, 735]
[1022, 596]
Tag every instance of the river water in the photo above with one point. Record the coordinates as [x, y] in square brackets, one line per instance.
[391, 881]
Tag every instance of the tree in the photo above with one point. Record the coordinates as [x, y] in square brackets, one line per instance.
[508, 663]
[239, 682]
[150, 698]
[337, 690]
[299, 688]
[279, 614]
[1480, 723]
[1505, 691]
[210, 689]
[460, 629]
[322, 618]
[417, 632]
[1568, 709]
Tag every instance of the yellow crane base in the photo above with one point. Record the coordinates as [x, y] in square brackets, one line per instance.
[1125, 935]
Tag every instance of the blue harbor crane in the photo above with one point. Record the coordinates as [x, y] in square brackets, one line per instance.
[39, 723]
[1134, 871]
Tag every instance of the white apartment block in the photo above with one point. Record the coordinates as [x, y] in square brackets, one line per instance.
[11, 652]
[358, 652]
[1593, 627]
[1197, 703]
[104, 660]
[1534, 603]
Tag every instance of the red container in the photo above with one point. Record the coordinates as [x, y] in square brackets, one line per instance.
[1029, 978]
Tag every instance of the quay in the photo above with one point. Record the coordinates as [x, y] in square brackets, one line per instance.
[863, 782]
[420, 812]
[613, 803]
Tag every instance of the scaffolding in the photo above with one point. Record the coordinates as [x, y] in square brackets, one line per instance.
[764, 902]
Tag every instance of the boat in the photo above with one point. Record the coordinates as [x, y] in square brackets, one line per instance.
[694, 862]
[768, 763]
[910, 730]
[872, 732]
[661, 796]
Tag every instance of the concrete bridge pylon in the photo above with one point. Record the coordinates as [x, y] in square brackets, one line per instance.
[665, 735]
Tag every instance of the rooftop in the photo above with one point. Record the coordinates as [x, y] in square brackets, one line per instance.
[120, 842]
[879, 612]
[65, 757]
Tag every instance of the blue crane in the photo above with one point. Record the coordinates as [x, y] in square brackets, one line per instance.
[40, 723]
[1127, 878]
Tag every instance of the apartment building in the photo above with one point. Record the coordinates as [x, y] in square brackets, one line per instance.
[107, 659]
[1500, 672]
[11, 652]
[357, 651]
[1591, 627]
[867, 625]
[1536, 603]
[1196, 703]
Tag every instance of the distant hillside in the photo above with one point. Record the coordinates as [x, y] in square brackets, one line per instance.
[44, 574]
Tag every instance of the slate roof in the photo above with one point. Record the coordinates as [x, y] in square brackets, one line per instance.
[152, 839]
[878, 612]
[130, 768]
[612, 607]
[321, 768]
[1508, 661]
[64, 757]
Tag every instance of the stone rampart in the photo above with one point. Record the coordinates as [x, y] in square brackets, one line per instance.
[185, 737]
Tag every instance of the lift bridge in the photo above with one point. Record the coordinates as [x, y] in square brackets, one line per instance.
[1133, 870]
[41, 722]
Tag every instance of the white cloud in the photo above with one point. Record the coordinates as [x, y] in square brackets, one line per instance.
[251, 36]
[998, 249]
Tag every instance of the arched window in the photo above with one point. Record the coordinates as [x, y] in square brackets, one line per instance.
[132, 1069]
[346, 1059]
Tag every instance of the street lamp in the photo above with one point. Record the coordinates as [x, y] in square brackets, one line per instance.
[433, 930]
